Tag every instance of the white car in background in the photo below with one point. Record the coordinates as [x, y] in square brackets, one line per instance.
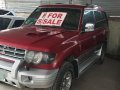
[7, 21]
[6, 12]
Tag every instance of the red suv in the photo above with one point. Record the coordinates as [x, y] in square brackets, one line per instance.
[56, 44]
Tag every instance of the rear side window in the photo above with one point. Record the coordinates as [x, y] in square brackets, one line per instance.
[88, 18]
[17, 23]
[104, 16]
[100, 19]
[4, 22]
[98, 16]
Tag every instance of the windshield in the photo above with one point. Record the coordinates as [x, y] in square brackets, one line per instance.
[4, 22]
[55, 17]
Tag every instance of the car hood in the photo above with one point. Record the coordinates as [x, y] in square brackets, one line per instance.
[34, 38]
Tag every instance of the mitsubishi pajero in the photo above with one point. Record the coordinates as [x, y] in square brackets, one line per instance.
[55, 45]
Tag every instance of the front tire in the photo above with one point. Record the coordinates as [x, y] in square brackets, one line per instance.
[64, 78]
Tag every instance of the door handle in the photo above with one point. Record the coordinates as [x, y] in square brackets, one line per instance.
[94, 37]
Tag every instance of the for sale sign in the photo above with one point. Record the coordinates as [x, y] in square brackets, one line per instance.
[51, 18]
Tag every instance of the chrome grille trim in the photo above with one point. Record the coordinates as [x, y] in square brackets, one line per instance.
[13, 68]
[6, 65]
[12, 52]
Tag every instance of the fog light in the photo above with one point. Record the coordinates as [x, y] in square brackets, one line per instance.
[26, 78]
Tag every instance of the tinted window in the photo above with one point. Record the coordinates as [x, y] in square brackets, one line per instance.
[10, 13]
[98, 16]
[17, 23]
[88, 18]
[71, 20]
[101, 19]
[2, 12]
[4, 22]
[104, 16]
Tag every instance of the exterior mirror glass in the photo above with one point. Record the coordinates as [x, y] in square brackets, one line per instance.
[89, 27]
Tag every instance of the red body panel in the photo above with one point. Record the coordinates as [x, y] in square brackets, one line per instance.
[28, 38]
[62, 42]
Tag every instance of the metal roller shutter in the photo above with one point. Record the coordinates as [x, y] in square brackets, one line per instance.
[22, 5]
[111, 6]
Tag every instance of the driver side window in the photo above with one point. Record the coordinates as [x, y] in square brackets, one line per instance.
[88, 17]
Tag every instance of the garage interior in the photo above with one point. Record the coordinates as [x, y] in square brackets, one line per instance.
[98, 77]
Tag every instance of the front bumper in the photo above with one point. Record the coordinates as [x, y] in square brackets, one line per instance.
[32, 78]
[35, 78]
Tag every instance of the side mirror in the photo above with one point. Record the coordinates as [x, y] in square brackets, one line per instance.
[89, 27]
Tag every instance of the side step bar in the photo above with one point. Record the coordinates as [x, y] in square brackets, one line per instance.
[87, 63]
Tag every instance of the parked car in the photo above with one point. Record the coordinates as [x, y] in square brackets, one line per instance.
[7, 22]
[6, 12]
[55, 45]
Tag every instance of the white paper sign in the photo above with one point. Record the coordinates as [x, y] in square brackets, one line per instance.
[51, 18]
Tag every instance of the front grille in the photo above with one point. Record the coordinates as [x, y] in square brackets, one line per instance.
[12, 52]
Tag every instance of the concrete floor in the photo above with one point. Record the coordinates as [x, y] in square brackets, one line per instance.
[98, 77]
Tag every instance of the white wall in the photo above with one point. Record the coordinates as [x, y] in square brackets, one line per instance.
[2, 4]
[114, 37]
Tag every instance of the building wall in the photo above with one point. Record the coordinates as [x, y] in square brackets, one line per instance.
[2, 4]
[111, 6]
[114, 37]
[26, 6]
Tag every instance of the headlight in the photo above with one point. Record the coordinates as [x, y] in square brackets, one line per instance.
[39, 57]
